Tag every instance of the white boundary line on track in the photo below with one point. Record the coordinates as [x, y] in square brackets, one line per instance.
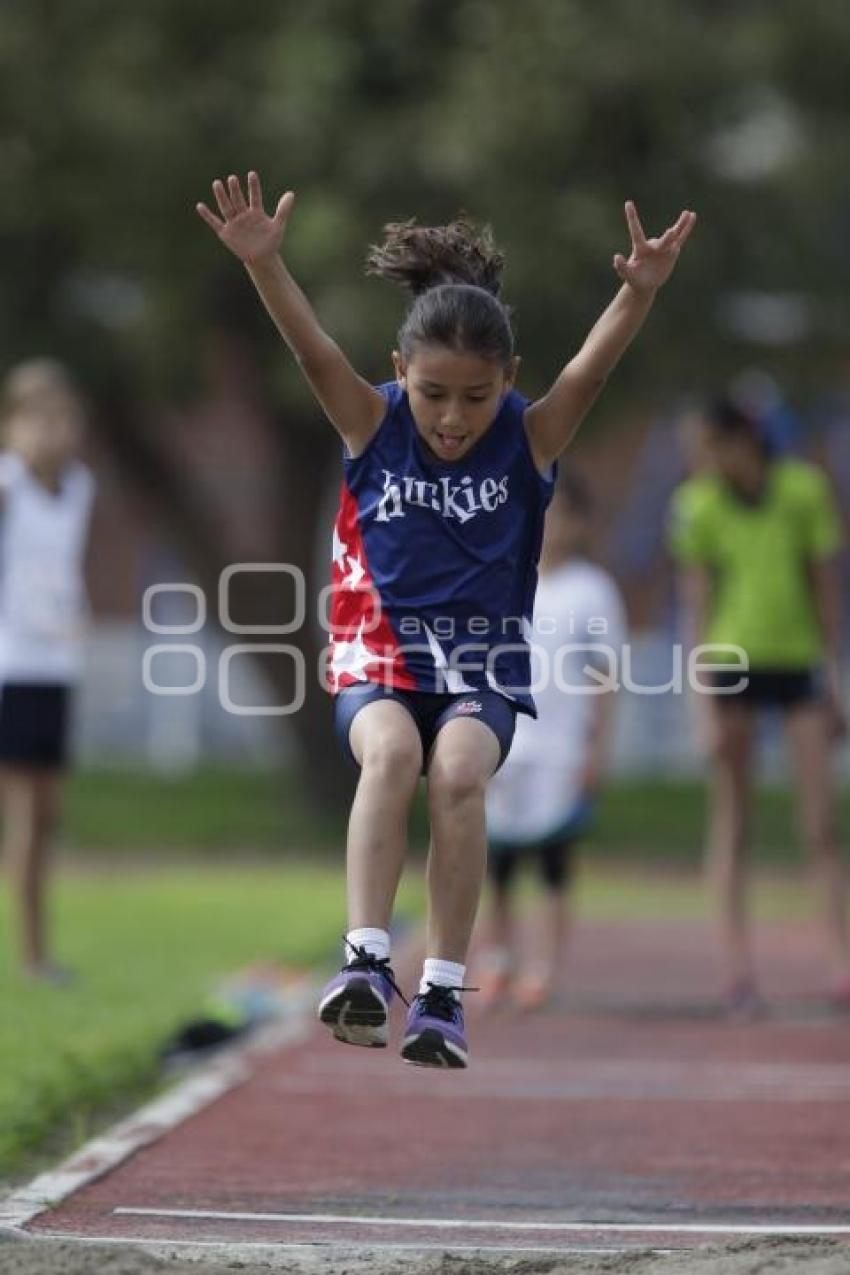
[318, 1249]
[149, 1123]
[484, 1224]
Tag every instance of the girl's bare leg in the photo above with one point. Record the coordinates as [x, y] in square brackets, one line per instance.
[385, 741]
[502, 915]
[30, 806]
[811, 751]
[537, 984]
[556, 919]
[464, 756]
[728, 828]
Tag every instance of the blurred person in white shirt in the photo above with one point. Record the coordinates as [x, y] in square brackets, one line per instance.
[542, 800]
[45, 504]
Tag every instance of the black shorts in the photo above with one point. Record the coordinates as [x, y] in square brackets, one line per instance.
[771, 688]
[553, 857]
[430, 711]
[34, 720]
[554, 853]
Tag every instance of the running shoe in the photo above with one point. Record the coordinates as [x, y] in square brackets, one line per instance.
[355, 1003]
[434, 1036]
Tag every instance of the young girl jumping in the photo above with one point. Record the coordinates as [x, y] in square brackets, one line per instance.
[447, 474]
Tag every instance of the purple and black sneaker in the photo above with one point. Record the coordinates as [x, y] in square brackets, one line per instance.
[434, 1036]
[355, 1004]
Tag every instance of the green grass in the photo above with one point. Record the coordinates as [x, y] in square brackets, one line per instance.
[222, 810]
[663, 821]
[211, 809]
[147, 947]
[215, 808]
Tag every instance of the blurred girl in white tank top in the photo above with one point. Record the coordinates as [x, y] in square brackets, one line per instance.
[45, 503]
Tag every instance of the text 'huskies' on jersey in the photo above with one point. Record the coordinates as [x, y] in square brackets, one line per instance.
[451, 499]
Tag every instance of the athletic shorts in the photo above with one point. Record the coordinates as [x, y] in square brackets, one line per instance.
[782, 689]
[554, 861]
[430, 711]
[554, 854]
[34, 720]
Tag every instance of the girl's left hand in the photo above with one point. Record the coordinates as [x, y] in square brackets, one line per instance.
[652, 260]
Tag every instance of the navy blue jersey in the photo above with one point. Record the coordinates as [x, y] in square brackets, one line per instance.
[435, 562]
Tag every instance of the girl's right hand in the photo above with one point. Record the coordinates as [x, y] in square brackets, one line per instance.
[246, 228]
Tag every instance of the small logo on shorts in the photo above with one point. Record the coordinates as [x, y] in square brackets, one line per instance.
[469, 706]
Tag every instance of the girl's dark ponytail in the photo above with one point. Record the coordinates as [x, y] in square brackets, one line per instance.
[454, 273]
[421, 257]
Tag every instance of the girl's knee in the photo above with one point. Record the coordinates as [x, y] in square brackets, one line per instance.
[452, 782]
[394, 755]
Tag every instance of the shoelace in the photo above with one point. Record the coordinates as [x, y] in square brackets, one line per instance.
[364, 960]
[440, 1001]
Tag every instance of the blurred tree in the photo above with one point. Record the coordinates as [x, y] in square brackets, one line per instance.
[540, 117]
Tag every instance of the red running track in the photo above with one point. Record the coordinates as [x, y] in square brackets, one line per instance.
[632, 1115]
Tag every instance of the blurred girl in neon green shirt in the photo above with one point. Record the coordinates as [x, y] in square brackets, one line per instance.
[757, 537]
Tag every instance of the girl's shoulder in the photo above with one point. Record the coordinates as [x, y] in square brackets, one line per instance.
[701, 494]
[516, 401]
[700, 485]
[392, 392]
[511, 412]
[797, 477]
[395, 397]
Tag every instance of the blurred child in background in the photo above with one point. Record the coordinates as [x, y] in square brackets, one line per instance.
[45, 502]
[542, 800]
[757, 537]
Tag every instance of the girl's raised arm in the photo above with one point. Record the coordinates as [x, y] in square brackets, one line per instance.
[551, 422]
[353, 406]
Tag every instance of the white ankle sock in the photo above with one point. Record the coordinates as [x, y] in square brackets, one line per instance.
[376, 942]
[444, 973]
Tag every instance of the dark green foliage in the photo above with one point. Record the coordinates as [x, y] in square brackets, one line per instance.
[540, 117]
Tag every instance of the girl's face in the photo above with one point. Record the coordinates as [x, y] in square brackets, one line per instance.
[454, 396]
[47, 431]
[739, 460]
